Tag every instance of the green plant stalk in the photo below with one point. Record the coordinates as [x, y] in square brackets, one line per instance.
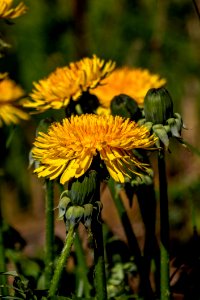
[62, 261]
[147, 203]
[98, 247]
[164, 229]
[99, 262]
[145, 286]
[82, 269]
[49, 217]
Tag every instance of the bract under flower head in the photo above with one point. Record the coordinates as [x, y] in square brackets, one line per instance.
[10, 93]
[8, 12]
[69, 82]
[132, 82]
[68, 149]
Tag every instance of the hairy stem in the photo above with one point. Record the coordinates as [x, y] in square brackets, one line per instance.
[62, 261]
[82, 269]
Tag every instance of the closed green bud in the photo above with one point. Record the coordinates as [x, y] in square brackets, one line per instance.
[83, 189]
[125, 106]
[158, 106]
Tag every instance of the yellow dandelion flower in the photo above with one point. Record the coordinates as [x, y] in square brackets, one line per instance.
[68, 82]
[133, 82]
[68, 148]
[10, 92]
[8, 12]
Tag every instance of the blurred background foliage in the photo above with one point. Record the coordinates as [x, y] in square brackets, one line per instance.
[163, 36]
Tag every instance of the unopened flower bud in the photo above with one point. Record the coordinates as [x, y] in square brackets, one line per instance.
[158, 106]
[125, 106]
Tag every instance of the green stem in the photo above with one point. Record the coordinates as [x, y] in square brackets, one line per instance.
[145, 286]
[164, 229]
[3, 280]
[82, 269]
[49, 216]
[147, 203]
[62, 261]
[99, 270]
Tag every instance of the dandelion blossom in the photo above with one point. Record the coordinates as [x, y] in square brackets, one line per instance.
[8, 12]
[10, 93]
[68, 82]
[133, 82]
[68, 148]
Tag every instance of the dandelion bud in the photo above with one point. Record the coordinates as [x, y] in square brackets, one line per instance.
[158, 106]
[125, 106]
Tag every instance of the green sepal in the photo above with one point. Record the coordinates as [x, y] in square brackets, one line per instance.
[161, 133]
[73, 216]
[87, 217]
[83, 189]
[63, 204]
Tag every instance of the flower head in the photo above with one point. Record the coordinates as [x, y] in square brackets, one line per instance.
[8, 12]
[129, 81]
[10, 93]
[68, 148]
[69, 82]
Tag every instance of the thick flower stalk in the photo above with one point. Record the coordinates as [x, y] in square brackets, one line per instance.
[68, 83]
[7, 11]
[134, 82]
[160, 119]
[10, 111]
[68, 148]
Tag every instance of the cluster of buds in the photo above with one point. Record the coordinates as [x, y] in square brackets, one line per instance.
[78, 203]
[159, 116]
